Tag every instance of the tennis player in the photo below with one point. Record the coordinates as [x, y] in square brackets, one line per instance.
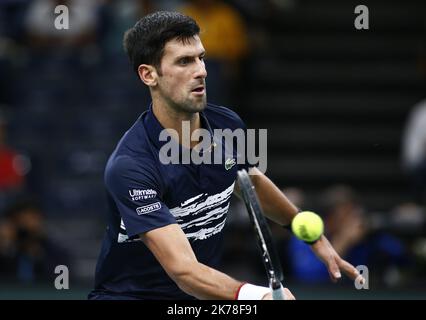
[166, 220]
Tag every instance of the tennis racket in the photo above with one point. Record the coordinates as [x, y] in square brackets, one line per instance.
[264, 239]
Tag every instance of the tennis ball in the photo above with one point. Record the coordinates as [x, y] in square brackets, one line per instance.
[307, 226]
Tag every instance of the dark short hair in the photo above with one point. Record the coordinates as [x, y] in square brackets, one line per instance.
[144, 43]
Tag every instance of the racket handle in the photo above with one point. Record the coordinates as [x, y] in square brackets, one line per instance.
[277, 290]
[278, 294]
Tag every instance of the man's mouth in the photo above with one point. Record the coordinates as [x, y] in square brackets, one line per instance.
[198, 90]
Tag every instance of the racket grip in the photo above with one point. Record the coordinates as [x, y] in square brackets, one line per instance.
[278, 294]
[277, 290]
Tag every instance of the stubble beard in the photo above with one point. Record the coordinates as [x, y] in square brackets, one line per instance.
[191, 105]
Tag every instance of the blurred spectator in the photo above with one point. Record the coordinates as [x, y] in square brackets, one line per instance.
[224, 37]
[223, 33]
[407, 219]
[26, 252]
[72, 48]
[348, 229]
[414, 150]
[262, 10]
[12, 14]
[13, 167]
[414, 141]
[6, 74]
[7, 248]
[345, 219]
[121, 15]
[83, 23]
[11, 30]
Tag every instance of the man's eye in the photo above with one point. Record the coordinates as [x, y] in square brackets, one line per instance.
[184, 61]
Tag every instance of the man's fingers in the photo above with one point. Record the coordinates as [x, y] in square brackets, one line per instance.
[333, 269]
[349, 269]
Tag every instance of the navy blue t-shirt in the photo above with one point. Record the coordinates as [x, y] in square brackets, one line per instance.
[145, 194]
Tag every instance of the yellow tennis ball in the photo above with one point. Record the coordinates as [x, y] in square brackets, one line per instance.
[307, 226]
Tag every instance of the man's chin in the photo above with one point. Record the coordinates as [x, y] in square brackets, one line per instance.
[197, 107]
[191, 105]
[201, 107]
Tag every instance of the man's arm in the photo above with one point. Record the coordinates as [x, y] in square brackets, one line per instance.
[171, 248]
[278, 208]
[173, 251]
[275, 204]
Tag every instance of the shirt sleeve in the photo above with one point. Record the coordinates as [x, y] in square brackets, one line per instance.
[137, 192]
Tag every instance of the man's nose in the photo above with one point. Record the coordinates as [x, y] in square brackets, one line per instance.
[201, 70]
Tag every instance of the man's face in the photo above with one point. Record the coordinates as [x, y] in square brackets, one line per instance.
[182, 81]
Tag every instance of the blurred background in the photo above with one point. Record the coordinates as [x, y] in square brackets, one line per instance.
[345, 111]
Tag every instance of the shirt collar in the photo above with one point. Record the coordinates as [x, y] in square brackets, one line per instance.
[154, 127]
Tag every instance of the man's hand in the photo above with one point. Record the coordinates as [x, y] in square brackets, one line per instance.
[287, 294]
[326, 253]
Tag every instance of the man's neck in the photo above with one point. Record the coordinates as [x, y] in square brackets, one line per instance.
[170, 118]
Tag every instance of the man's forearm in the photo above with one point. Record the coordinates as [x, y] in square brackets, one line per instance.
[275, 204]
[204, 282]
[171, 248]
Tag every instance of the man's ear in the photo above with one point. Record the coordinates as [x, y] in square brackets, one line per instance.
[148, 74]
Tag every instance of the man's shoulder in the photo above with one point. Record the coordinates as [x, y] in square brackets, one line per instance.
[125, 169]
[224, 116]
[132, 154]
[122, 163]
[135, 133]
[134, 144]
